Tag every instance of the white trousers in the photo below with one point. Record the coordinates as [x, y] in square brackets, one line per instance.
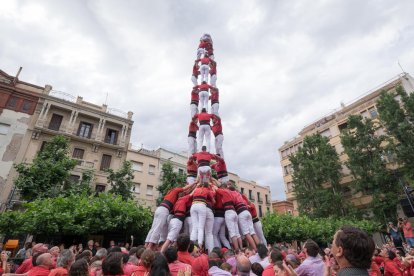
[219, 233]
[159, 225]
[215, 109]
[224, 180]
[194, 80]
[204, 131]
[174, 228]
[190, 179]
[213, 80]
[246, 223]
[204, 68]
[200, 52]
[187, 226]
[259, 232]
[198, 213]
[218, 141]
[204, 173]
[193, 110]
[231, 220]
[203, 96]
[192, 145]
[209, 230]
[164, 232]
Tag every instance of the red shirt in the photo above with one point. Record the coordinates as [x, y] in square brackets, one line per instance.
[204, 86]
[214, 97]
[226, 198]
[253, 210]
[213, 68]
[203, 158]
[205, 60]
[194, 96]
[217, 127]
[203, 44]
[192, 129]
[60, 271]
[204, 118]
[220, 167]
[25, 266]
[140, 271]
[180, 207]
[38, 271]
[185, 257]
[191, 168]
[195, 70]
[203, 194]
[239, 202]
[408, 230]
[171, 197]
[391, 268]
[268, 271]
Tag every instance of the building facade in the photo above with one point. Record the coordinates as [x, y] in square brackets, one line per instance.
[147, 165]
[282, 207]
[330, 126]
[99, 136]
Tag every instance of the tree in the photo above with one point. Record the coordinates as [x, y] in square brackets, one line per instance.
[399, 121]
[78, 214]
[48, 173]
[316, 174]
[169, 180]
[366, 161]
[121, 180]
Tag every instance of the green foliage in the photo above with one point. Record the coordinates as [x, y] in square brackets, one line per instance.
[278, 228]
[399, 121]
[366, 161]
[169, 180]
[48, 173]
[77, 215]
[121, 180]
[316, 177]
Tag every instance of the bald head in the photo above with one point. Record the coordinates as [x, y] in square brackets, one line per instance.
[243, 265]
[45, 259]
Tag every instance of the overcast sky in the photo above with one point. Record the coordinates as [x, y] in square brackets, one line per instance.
[281, 64]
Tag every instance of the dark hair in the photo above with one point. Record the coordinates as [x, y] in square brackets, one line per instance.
[262, 250]
[257, 269]
[133, 251]
[34, 258]
[171, 254]
[203, 148]
[312, 248]
[160, 266]
[391, 255]
[79, 268]
[139, 252]
[357, 246]
[112, 264]
[114, 249]
[125, 258]
[183, 241]
[226, 266]
[191, 247]
[86, 254]
[214, 260]
[217, 250]
[147, 258]
[275, 256]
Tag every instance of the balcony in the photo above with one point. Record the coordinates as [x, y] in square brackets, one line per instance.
[251, 199]
[259, 200]
[85, 164]
[267, 202]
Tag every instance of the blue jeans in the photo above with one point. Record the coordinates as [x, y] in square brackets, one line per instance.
[410, 241]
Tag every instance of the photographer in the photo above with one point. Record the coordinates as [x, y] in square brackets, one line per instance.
[4, 266]
[395, 234]
[405, 225]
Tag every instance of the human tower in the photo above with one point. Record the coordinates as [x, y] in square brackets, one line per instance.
[211, 211]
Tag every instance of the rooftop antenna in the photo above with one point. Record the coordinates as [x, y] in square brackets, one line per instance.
[17, 75]
[401, 66]
[106, 99]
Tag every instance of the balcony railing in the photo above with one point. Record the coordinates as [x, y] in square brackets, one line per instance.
[85, 164]
[260, 200]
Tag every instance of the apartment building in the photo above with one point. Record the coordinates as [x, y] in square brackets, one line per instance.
[330, 126]
[282, 207]
[99, 136]
[147, 165]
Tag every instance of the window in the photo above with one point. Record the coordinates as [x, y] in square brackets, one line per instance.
[343, 126]
[242, 190]
[373, 112]
[78, 153]
[137, 166]
[106, 162]
[326, 133]
[111, 136]
[250, 194]
[267, 198]
[12, 102]
[26, 106]
[85, 130]
[73, 178]
[260, 211]
[150, 190]
[180, 171]
[4, 129]
[151, 169]
[289, 187]
[258, 197]
[136, 188]
[55, 122]
[287, 169]
[365, 114]
[99, 188]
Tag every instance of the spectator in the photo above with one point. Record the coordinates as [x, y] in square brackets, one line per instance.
[28, 263]
[3, 263]
[95, 269]
[112, 265]
[395, 235]
[214, 264]
[44, 263]
[138, 254]
[257, 269]
[159, 266]
[275, 256]
[183, 243]
[231, 260]
[86, 254]
[391, 268]
[21, 254]
[199, 266]
[279, 270]
[132, 262]
[91, 247]
[173, 263]
[100, 255]
[353, 250]
[54, 251]
[250, 252]
[407, 230]
[227, 267]
[147, 258]
[64, 262]
[243, 265]
[313, 265]
[79, 268]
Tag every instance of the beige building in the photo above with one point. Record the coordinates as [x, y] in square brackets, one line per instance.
[147, 166]
[282, 207]
[330, 126]
[99, 136]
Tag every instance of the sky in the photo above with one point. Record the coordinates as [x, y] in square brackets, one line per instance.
[281, 65]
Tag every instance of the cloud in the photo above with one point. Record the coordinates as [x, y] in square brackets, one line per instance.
[281, 64]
